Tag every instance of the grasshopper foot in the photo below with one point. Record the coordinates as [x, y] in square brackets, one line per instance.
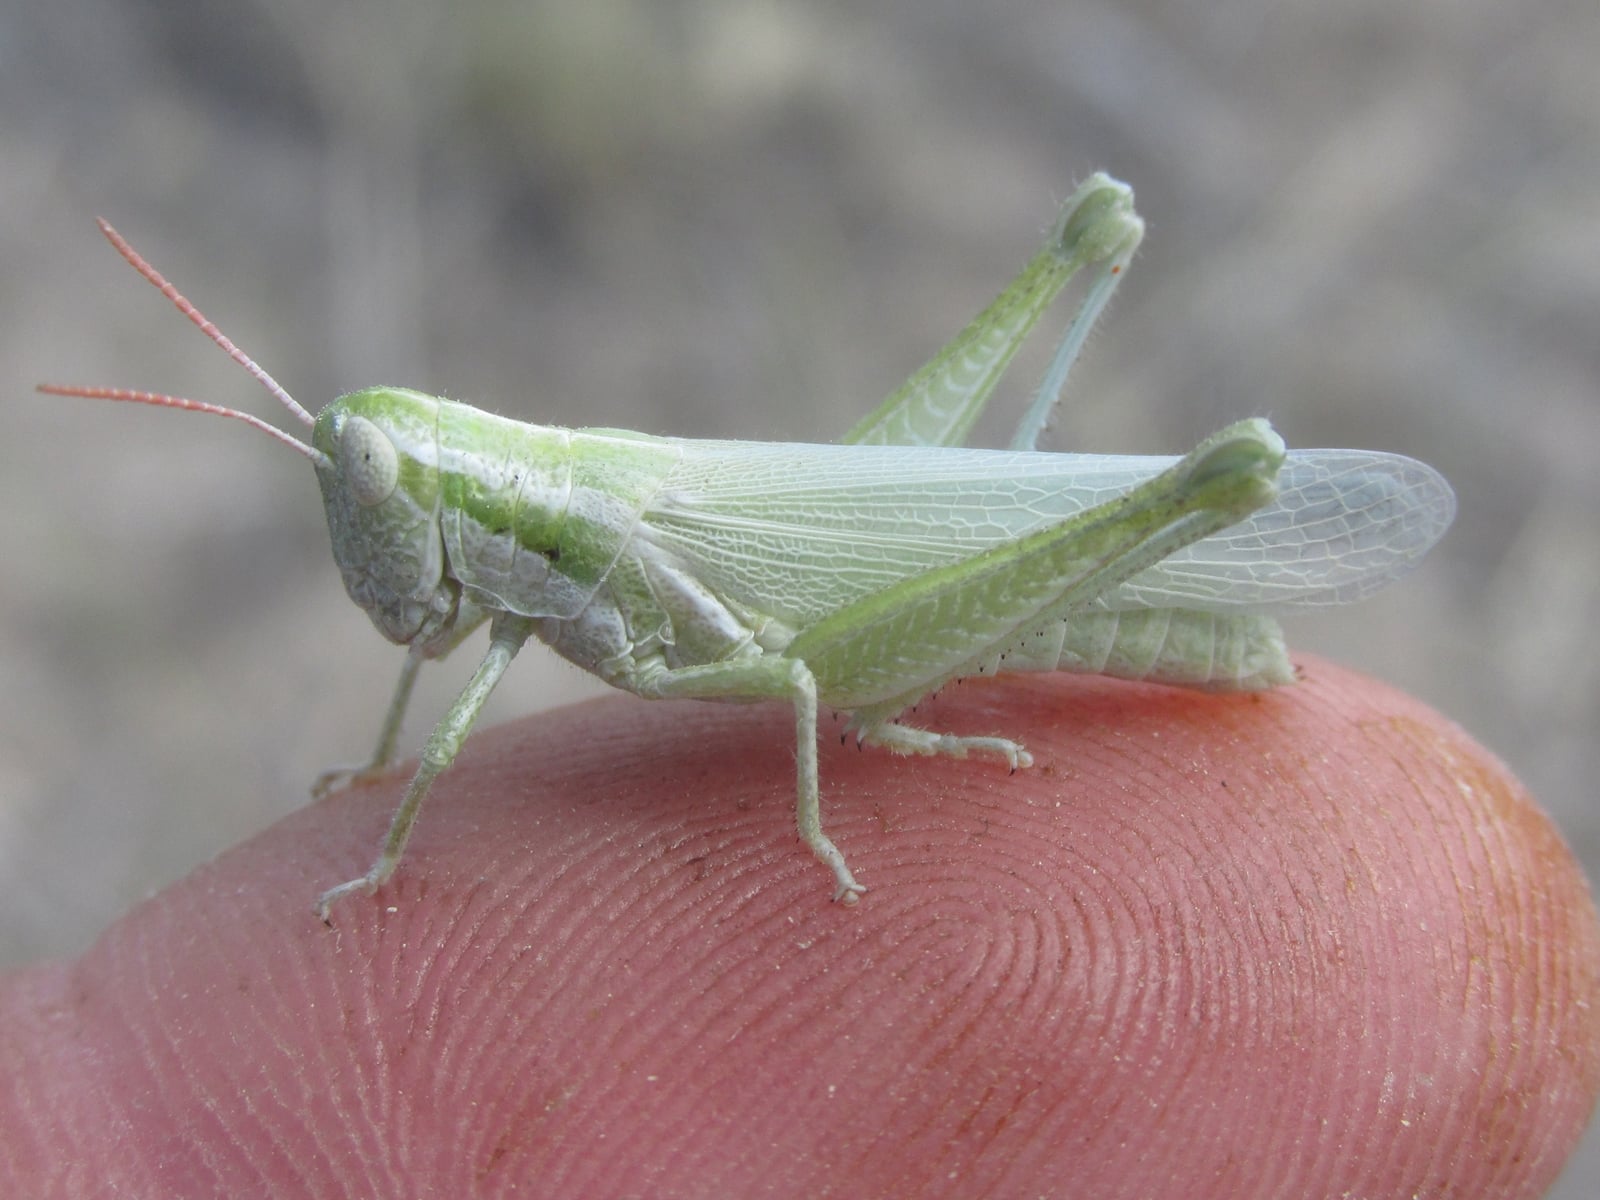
[846, 890]
[336, 779]
[365, 885]
[848, 893]
[905, 739]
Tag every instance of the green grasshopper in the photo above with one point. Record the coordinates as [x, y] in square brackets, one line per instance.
[860, 576]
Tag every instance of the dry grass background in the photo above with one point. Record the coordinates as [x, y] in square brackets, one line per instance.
[1377, 223]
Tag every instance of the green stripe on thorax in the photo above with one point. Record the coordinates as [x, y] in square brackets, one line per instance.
[571, 496]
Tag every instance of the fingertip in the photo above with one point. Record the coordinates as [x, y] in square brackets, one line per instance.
[1318, 929]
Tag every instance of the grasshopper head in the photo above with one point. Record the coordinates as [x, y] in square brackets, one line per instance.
[376, 455]
[380, 486]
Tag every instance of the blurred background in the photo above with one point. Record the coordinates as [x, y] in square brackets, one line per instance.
[1378, 224]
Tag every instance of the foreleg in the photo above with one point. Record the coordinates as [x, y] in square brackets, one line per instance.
[506, 636]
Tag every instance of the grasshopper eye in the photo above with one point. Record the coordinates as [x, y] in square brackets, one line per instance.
[368, 460]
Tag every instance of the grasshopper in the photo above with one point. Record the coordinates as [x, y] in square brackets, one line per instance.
[861, 575]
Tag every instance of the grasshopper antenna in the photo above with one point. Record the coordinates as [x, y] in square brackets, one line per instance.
[160, 399]
[137, 262]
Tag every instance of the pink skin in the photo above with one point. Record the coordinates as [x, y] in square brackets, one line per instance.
[1316, 942]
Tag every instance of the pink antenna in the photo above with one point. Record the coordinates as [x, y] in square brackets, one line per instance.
[206, 327]
[162, 400]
